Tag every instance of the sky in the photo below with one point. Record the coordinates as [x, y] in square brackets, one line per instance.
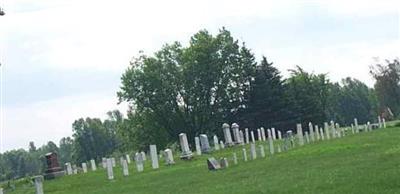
[63, 59]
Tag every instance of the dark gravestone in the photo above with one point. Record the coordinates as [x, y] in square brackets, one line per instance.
[53, 167]
[213, 164]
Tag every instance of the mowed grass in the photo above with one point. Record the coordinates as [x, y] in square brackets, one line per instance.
[361, 163]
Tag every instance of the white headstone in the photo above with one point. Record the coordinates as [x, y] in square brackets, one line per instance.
[273, 133]
[216, 144]
[333, 129]
[110, 172]
[154, 157]
[227, 134]
[263, 138]
[1, 190]
[338, 130]
[205, 145]
[352, 129]
[321, 131]
[384, 122]
[252, 137]
[271, 142]
[125, 170]
[197, 144]
[139, 161]
[300, 134]
[104, 162]
[128, 158]
[84, 167]
[38, 184]
[246, 133]
[93, 165]
[221, 144]
[356, 125]
[235, 158]
[143, 155]
[326, 126]
[379, 121]
[235, 129]
[169, 157]
[75, 169]
[68, 168]
[279, 135]
[244, 154]
[307, 137]
[262, 152]
[317, 135]
[311, 129]
[253, 153]
[186, 153]
[259, 135]
[369, 127]
[241, 137]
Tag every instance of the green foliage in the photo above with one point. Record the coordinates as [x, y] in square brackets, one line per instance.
[387, 85]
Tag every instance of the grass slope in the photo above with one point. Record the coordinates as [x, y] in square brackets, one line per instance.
[361, 163]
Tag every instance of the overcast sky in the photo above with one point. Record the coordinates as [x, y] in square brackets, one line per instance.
[62, 59]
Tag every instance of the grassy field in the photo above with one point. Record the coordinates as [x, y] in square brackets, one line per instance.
[361, 163]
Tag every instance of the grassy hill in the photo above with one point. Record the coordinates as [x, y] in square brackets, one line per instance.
[361, 163]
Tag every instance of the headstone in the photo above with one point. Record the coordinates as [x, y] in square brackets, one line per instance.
[224, 163]
[75, 169]
[246, 133]
[235, 161]
[84, 167]
[279, 135]
[68, 168]
[197, 144]
[110, 172]
[300, 134]
[244, 154]
[186, 153]
[241, 137]
[205, 145]
[333, 129]
[356, 125]
[213, 164]
[221, 144]
[271, 143]
[38, 180]
[263, 138]
[235, 129]
[143, 155]
[369, 127]
[252, 137]
[259, 135]
[253, 153]
[326, 126]
[318, 136]
[153, 156]
[216, 144]
[273, 133]
[93, 165]
[53, 169]
[169, 157]
[321, 131]
[262, 152]
[379, 121]
[1, 190]
[125, 169]
[352, 129]
[128, 158]
[307, 137]
[139, 161]
[104, 162]
[384, 123]
[290, 137]
[338, 130]
[227, 134]
[311, 129]
[113, 162]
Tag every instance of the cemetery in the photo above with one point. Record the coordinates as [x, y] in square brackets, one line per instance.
[287, 163]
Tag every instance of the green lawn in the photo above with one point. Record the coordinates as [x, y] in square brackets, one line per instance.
[361, 163]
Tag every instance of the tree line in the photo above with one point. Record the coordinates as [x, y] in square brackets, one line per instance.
[196, 88]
